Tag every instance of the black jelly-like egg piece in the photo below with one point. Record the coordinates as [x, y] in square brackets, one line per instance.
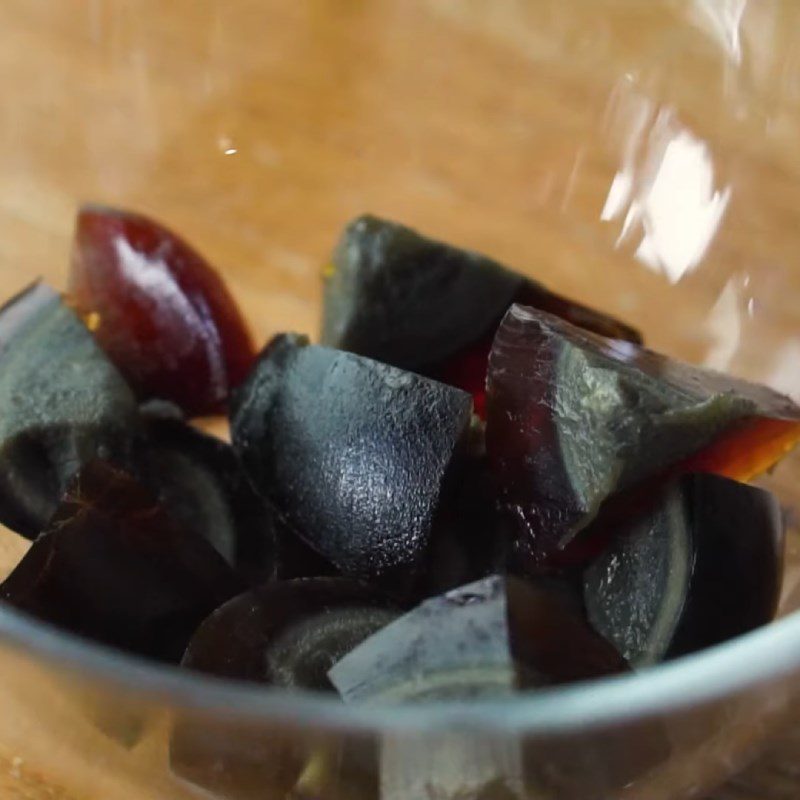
[574, 418]
[702, 566]
[63, 404]
[406, 300]
[354, 454]
[490, 637]
[285, 634]
[201, 482]
[288, 633]
[112, 566]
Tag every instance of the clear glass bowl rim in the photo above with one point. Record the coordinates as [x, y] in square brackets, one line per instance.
[748, 662]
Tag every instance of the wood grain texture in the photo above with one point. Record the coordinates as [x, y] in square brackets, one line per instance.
[258, 127]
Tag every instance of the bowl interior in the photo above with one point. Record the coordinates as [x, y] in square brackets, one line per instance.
[640, 158]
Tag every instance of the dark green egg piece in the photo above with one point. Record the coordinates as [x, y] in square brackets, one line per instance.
[574, 418]
[63, 404]
[284, 634]
[288, 633]
[490, 637]
[114, 567]
[401, 298]
[354, 454]
[703, 566]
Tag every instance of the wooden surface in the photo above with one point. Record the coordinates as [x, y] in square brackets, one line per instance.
[258, 127]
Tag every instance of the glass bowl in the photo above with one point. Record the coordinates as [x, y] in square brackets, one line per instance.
[640, 157]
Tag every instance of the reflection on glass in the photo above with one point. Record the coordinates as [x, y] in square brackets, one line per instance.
[451, 766]
[681, 212]
[725, 326]
[665, 189]
[784, 375]
[721, 20]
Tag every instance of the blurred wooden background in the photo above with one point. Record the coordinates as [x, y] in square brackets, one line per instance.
[640, 156]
